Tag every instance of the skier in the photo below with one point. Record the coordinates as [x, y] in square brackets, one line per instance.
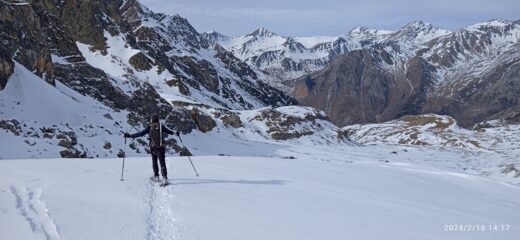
[156, 132]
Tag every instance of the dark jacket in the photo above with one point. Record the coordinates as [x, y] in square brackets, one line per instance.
[165, 131]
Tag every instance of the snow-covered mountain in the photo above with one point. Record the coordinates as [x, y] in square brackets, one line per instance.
[413, 36]
[277, 58]
[129, 42]
[281, 59]
[74, 77]
[416, 69]
[469, 74]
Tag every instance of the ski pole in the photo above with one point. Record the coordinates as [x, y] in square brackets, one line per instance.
[196, 173]
[123, 167]
[193, 166]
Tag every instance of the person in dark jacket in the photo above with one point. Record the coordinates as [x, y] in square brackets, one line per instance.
[156, 132]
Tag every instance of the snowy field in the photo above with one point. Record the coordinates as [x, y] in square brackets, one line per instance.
[349, 193]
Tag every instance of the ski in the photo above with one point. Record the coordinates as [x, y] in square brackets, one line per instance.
[164, 184]
[161, 183]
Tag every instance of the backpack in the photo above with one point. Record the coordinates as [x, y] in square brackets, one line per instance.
[155, 135]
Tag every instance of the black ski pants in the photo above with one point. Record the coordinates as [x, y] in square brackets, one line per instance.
[159, 154]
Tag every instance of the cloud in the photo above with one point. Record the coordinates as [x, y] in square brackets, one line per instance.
[237, 13]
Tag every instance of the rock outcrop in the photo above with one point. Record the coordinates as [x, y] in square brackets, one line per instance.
[203, 121]
[232, 120]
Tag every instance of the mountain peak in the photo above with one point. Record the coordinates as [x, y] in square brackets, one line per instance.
[262, 32]
[417, 24]
[418, 32]
[359, 29]
[493, 23]
[214, 36]
[365, 32]
[420, 26]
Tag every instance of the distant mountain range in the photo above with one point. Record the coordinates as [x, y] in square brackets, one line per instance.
[280, 59]
[375, 75]
[471, 74]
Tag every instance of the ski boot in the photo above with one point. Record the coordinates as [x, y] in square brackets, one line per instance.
[164, 182]
[154, 178]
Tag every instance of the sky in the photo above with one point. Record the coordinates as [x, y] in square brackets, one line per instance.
[331, 17]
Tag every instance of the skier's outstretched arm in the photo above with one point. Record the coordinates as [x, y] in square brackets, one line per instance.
[139, 134]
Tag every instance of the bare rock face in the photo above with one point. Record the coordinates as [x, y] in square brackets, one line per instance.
[24, 41]
[234, 65]
[479, 98]
[513, 118]
[183, 89]
[204, 122]
[6, 69]
[418, 80]
[87, 20]
[510, 116]
[232, 120]
[356, 89]
[141, 62]
[181, 120]
[203, 71]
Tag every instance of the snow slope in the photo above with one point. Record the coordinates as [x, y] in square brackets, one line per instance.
[27, 96]
[250, 198]
[491, 149]
[38, 105]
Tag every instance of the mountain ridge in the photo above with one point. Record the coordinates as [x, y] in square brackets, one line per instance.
[468, 74]
[279, 59]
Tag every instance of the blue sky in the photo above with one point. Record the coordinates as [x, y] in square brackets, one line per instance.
[331, 17]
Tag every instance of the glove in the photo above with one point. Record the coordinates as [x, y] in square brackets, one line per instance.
[126, 135]
[177, 133]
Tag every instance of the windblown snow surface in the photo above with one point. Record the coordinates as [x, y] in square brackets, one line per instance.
[285, 192]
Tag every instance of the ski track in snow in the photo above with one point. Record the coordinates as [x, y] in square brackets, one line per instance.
[32, 207]
[161, 224]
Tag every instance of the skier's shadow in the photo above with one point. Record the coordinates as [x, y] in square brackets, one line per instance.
[215, 181]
